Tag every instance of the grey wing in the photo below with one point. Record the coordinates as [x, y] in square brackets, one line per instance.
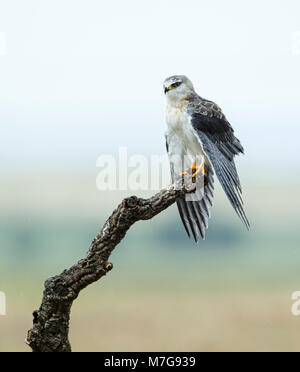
[194, 209]
[221, 146]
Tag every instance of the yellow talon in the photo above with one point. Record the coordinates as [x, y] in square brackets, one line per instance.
[199, 169]
[196, 169]
[194, 166]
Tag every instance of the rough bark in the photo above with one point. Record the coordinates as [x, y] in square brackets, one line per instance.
[51, 322]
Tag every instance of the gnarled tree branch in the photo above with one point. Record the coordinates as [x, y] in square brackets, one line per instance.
[51, 322]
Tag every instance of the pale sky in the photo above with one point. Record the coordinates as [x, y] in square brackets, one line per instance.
[81, 78]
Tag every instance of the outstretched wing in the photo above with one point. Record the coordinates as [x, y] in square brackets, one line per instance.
[194, 209]
[220, 146]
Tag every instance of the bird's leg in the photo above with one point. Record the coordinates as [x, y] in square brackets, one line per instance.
[199, 169]
[196, 169]
[193, 167]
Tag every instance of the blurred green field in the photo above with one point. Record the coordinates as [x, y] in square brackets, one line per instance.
[229, 293]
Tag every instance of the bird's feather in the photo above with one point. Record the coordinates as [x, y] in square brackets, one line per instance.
[220, 146]
[194, 209]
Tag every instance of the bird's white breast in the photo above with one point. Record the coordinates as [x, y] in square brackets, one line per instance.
[178, 121]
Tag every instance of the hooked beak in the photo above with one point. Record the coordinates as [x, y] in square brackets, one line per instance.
[167, 89]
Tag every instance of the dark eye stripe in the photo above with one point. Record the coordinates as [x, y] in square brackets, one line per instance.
[175, 85]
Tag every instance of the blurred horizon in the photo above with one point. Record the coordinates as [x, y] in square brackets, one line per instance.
[247, 274]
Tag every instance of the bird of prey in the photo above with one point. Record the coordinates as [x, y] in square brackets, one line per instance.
[200, 142]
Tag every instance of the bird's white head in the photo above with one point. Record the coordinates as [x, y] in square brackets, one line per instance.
[178, 88]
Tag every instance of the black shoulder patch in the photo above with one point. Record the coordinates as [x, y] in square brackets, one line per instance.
[213, 126]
